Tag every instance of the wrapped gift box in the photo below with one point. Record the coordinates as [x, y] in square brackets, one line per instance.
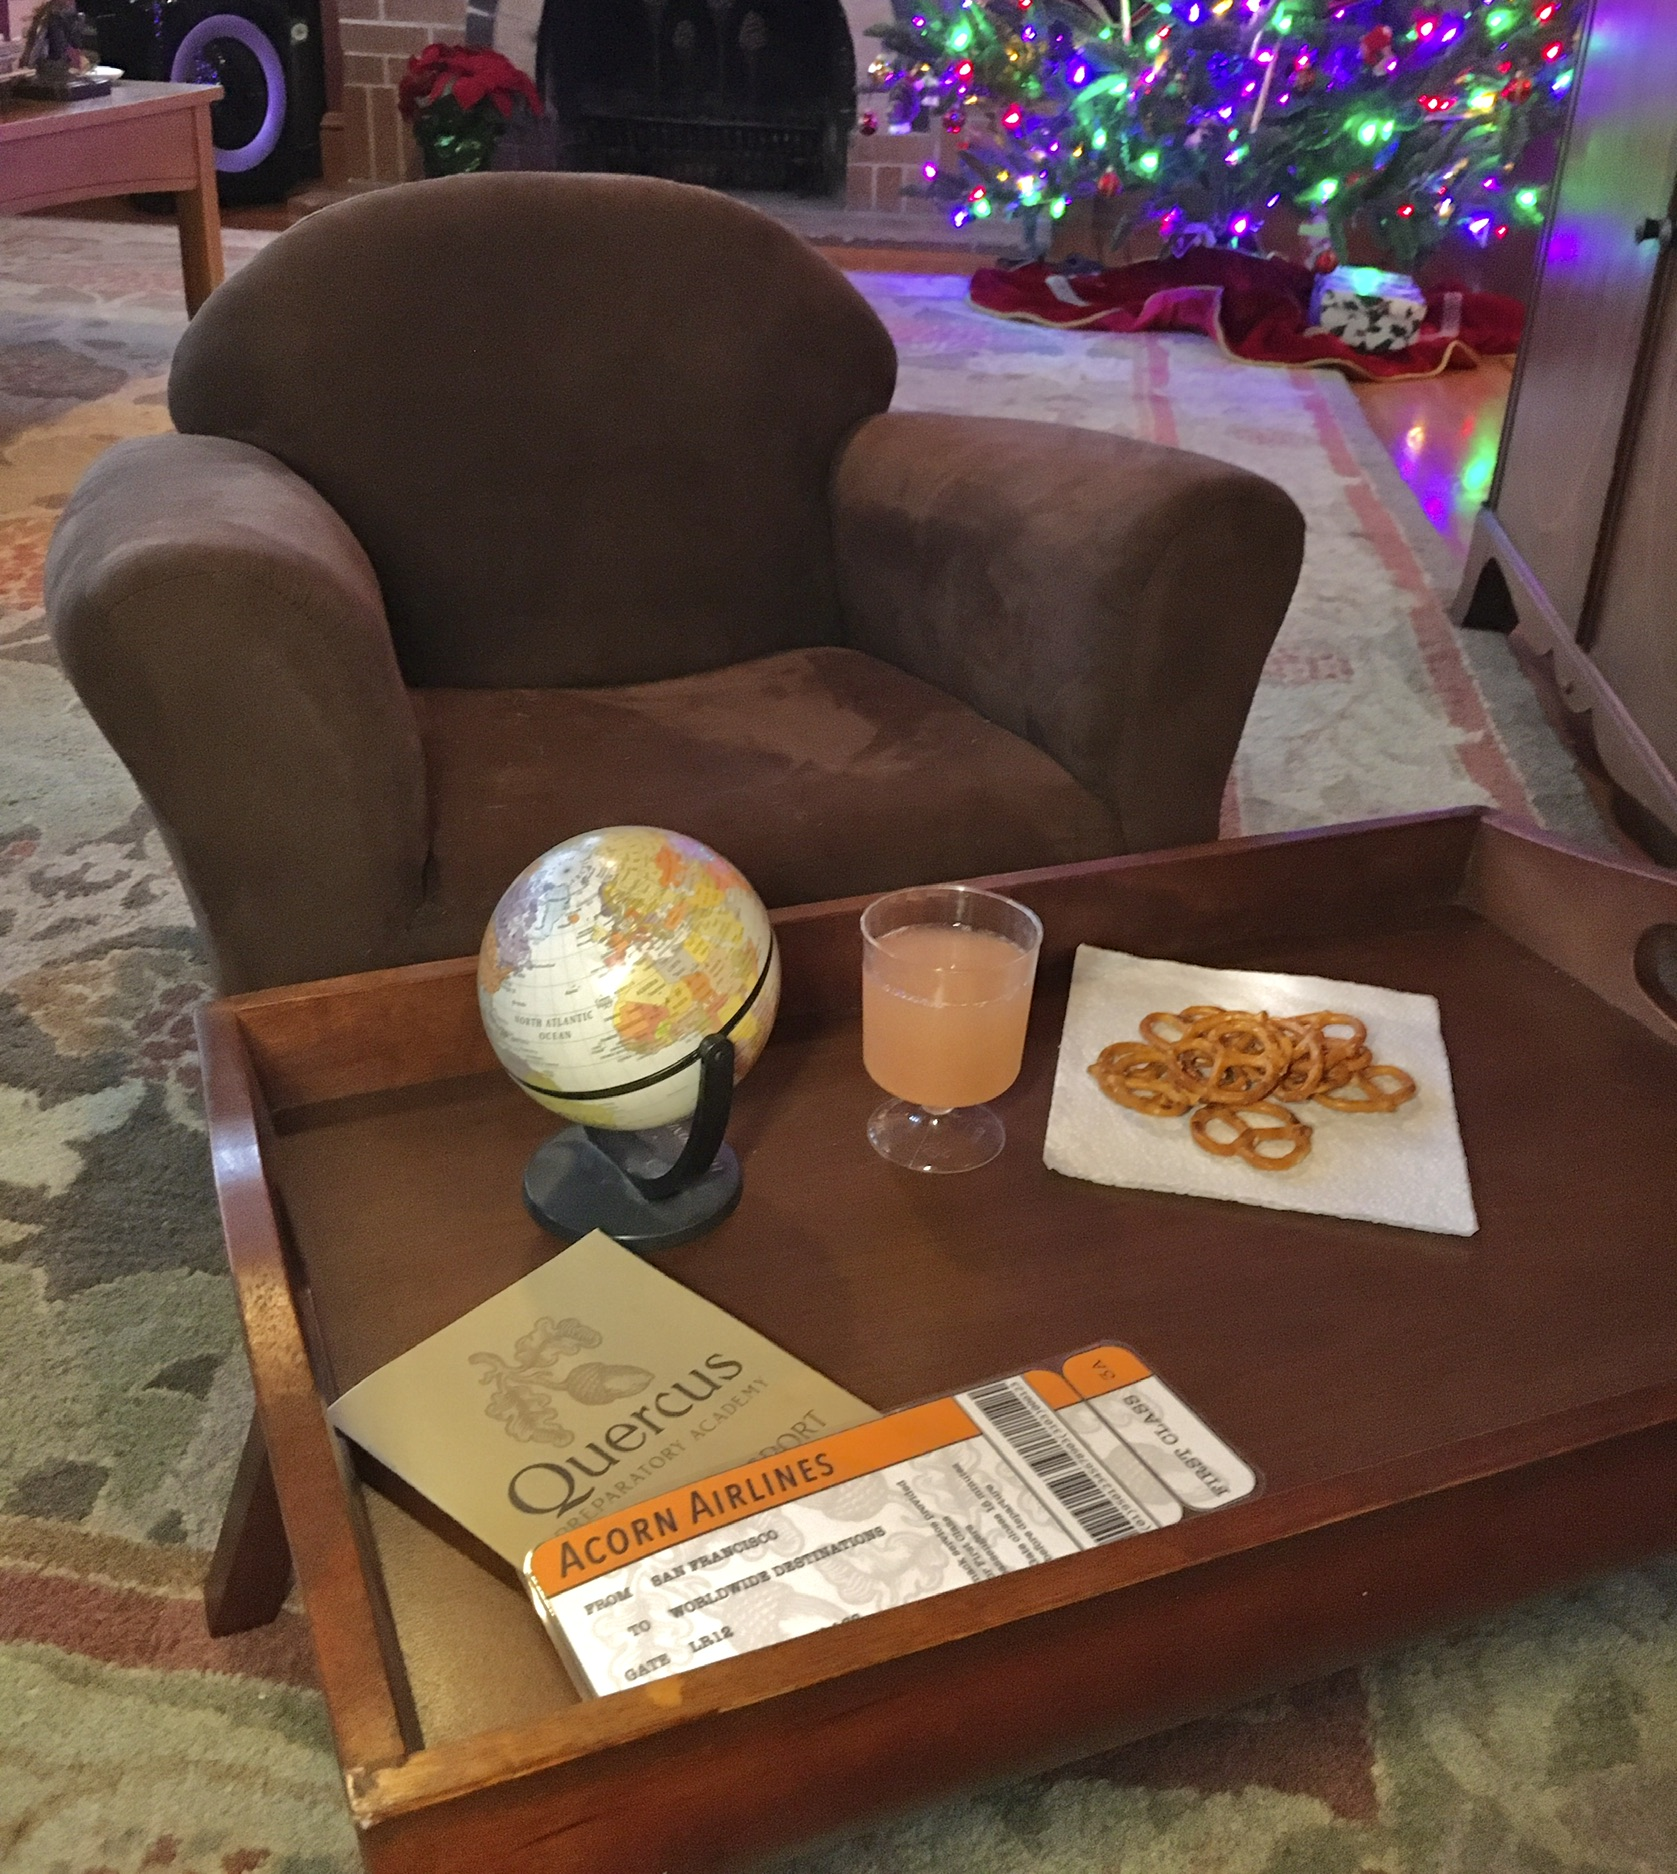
[1367, 309]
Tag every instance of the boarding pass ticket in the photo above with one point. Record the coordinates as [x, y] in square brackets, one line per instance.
[1000, 1477]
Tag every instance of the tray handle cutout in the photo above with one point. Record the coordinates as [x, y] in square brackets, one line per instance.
[1656, 967]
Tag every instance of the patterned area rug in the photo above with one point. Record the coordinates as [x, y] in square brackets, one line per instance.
[1543, 1743]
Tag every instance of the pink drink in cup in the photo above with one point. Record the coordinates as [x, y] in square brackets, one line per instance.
[944, 1013]
[946, 993]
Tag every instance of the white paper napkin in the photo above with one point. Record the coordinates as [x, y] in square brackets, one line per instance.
[1404, 1167]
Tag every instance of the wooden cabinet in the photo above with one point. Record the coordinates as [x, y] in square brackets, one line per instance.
[1575, 543]
[1632, 637]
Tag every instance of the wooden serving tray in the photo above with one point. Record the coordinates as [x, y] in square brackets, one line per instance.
[1444, 1424]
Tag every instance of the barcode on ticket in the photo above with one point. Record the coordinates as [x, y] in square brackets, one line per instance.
[1031, 1430]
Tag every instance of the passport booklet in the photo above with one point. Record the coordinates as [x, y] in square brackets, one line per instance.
[1002, 1476]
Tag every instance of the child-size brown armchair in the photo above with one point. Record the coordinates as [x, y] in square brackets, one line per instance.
[507, 506]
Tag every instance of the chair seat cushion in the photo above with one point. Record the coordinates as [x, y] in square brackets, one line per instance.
[819, 773]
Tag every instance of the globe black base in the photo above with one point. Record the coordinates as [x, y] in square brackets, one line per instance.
[572, 1186]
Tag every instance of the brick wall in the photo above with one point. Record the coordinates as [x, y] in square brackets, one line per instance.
[885, 174]
[379, 37]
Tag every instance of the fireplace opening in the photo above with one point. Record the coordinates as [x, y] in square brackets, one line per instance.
[733, 94]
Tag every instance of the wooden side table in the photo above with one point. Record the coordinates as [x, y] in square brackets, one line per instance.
[141, 139]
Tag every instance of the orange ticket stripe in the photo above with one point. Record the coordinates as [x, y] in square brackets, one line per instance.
[1051, 1389]
[612, 1542]
[1104, 1369]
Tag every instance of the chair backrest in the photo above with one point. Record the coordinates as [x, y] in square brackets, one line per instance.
[584, 426]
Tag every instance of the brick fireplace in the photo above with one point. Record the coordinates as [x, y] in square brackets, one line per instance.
[379, 36]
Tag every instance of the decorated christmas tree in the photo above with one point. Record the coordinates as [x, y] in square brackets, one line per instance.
[1203, 116]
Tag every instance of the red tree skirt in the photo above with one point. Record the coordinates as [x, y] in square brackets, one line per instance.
[1257, 310]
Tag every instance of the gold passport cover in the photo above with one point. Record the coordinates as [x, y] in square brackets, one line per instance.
[593, 1383]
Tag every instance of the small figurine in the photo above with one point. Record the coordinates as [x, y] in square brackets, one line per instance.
[62, 45]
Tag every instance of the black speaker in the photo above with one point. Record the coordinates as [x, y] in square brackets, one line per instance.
[266, 56]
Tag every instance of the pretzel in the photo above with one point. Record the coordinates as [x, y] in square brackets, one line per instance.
[1236, 1073]
[1372, 1090]
[1163, 1029]
[1344, 1056]
[1230, 1058]
[1183, 1022]
[1255, 1130]
[1309, 1061]
[1138, 1076]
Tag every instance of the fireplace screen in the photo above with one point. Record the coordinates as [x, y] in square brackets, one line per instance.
[734, 94]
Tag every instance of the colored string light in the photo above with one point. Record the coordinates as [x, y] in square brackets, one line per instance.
[1191, 106]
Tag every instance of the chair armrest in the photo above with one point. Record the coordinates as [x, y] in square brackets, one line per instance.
[1110, 600]
[226, 632]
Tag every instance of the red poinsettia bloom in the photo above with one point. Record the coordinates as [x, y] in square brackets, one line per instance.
[471, 75]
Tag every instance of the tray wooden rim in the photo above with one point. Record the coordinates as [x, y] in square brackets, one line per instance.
[390, 1775]
[441, 1770]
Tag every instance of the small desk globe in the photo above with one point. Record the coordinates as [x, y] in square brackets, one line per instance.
[626, 980]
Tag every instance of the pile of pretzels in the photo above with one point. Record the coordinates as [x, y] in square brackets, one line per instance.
[1236, 1074]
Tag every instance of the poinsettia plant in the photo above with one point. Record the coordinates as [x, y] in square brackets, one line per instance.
[459, 99]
